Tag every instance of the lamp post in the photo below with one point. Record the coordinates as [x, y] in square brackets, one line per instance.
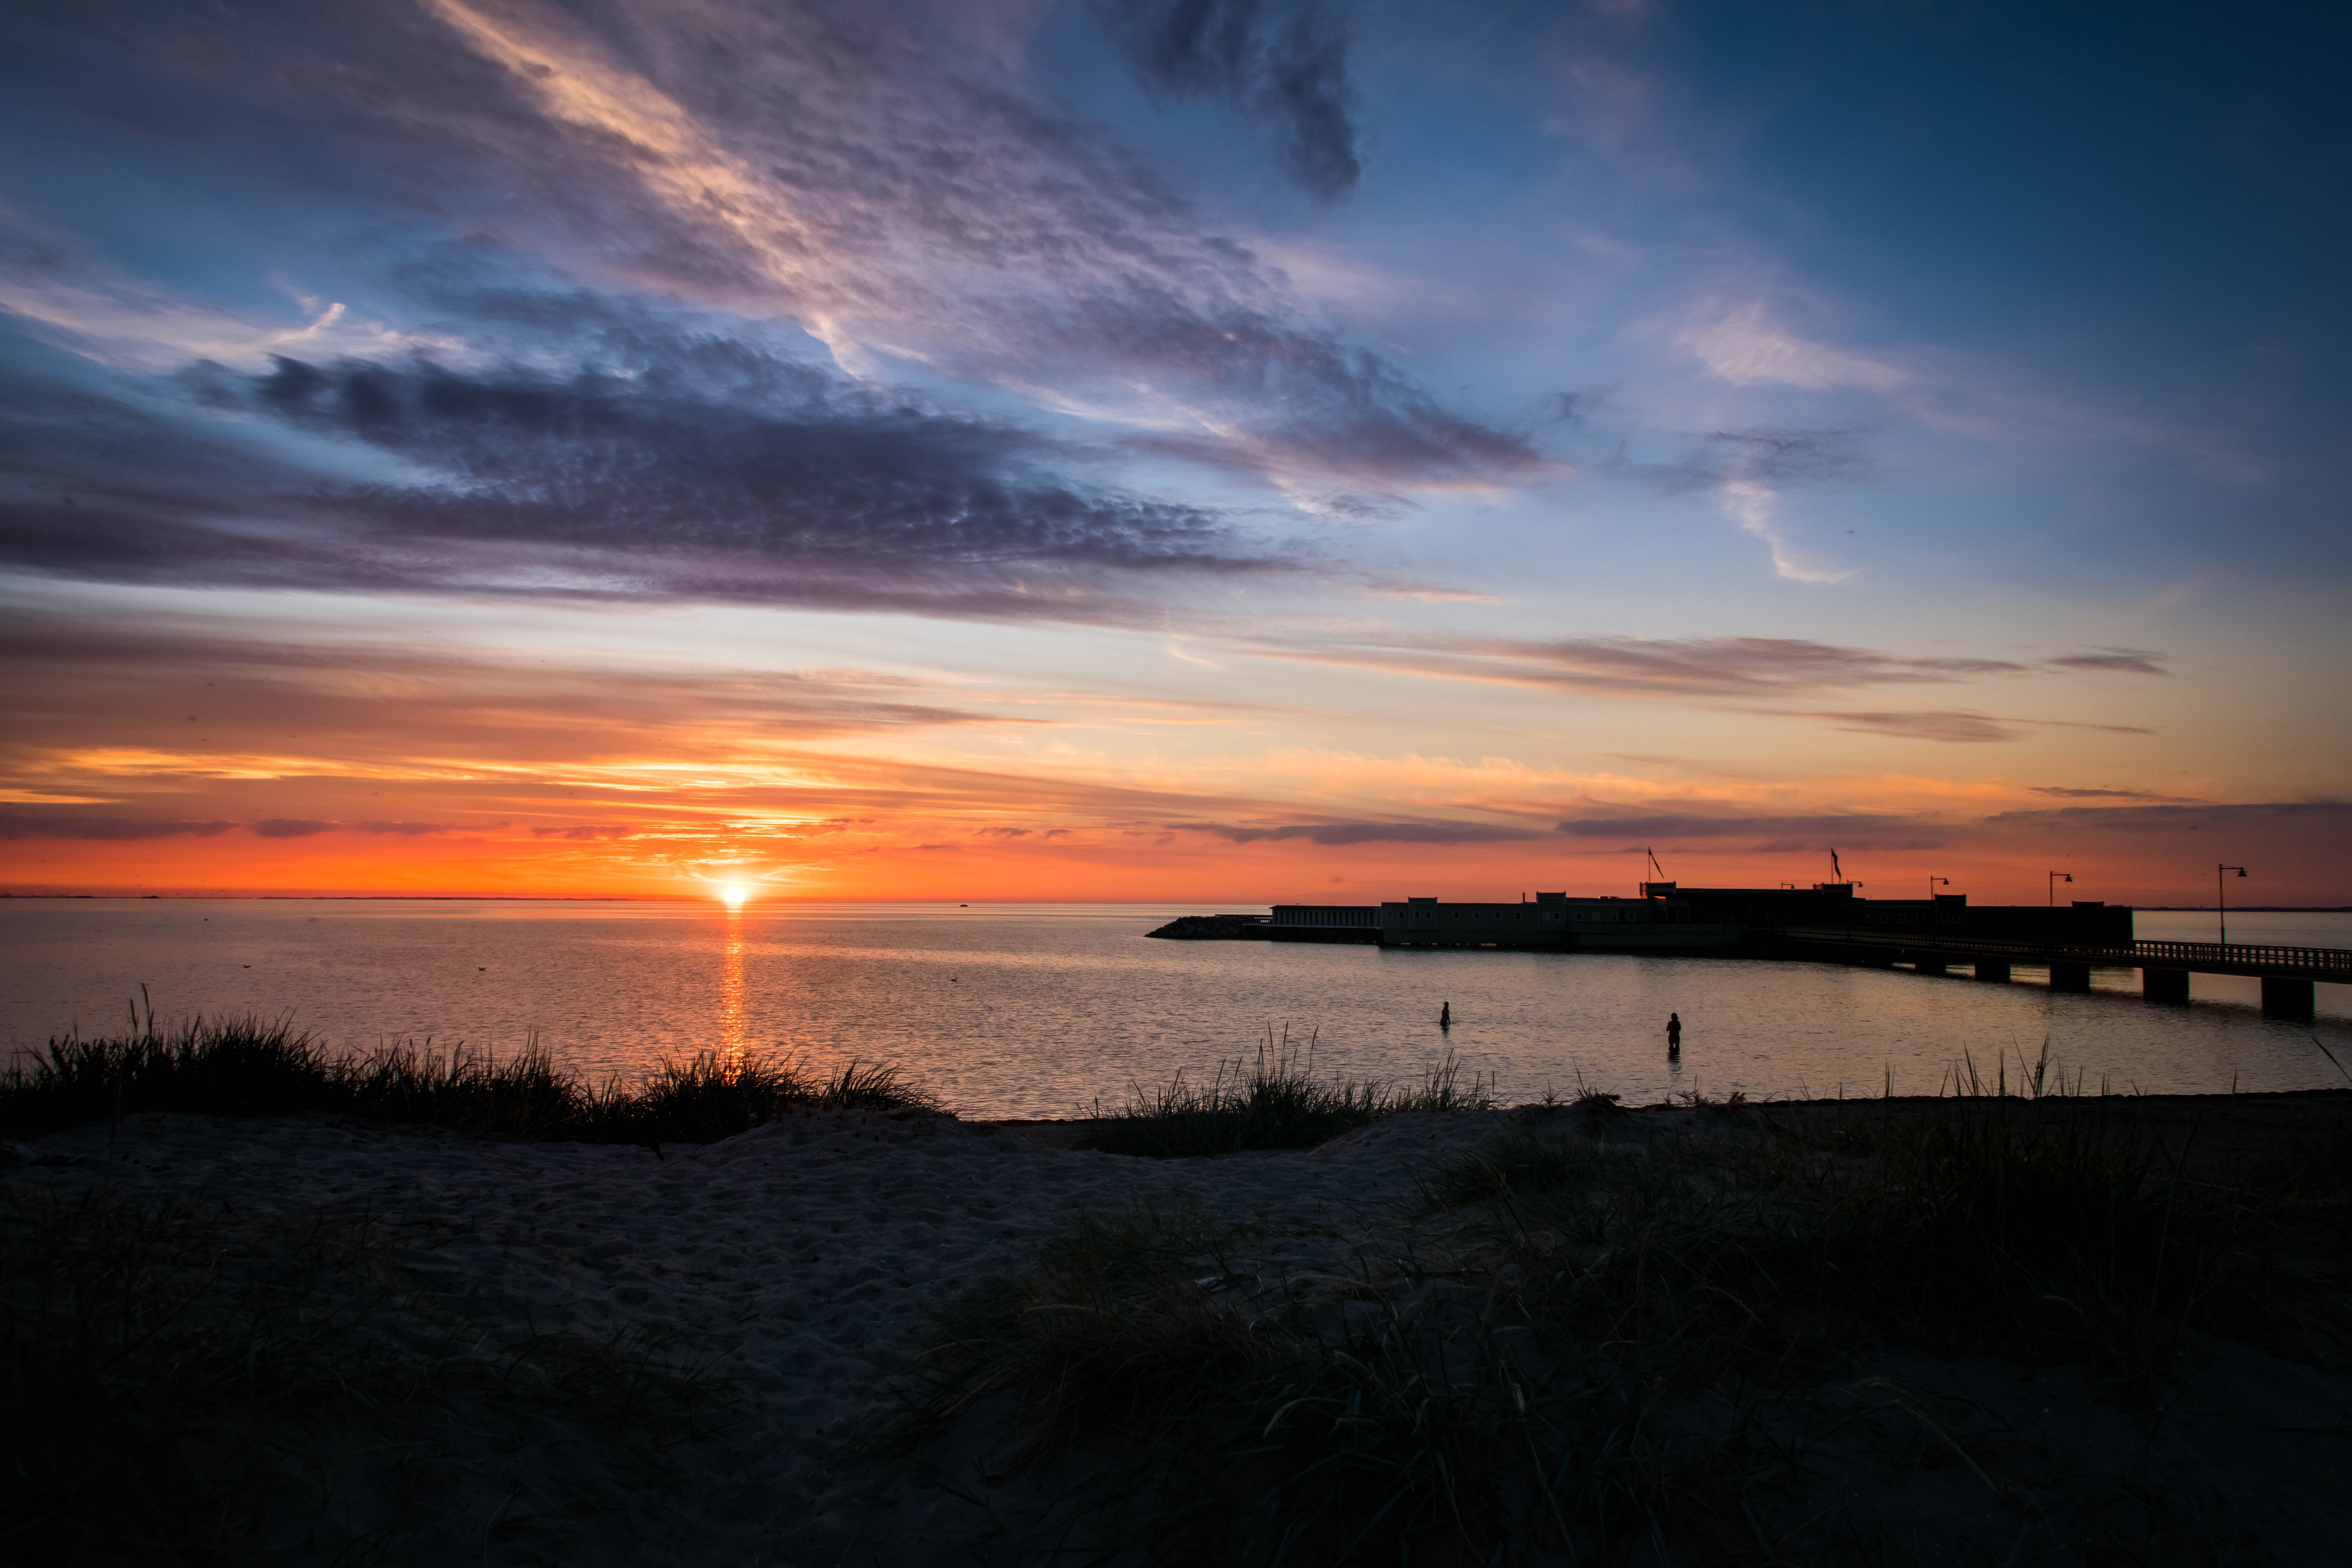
[2220, 902]
[1931, 886]
[2056, 878]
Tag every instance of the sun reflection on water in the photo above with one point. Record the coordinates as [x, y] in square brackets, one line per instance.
[733, 1035]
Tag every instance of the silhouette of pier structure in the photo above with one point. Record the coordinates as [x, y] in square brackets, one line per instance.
[1826, 923]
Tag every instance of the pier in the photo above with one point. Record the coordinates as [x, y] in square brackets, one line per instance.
[2287, 973]
[1823, 923]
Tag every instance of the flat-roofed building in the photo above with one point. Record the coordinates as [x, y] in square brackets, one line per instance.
[1548, 919]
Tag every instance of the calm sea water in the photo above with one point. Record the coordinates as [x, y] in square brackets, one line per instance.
[1040, 1010]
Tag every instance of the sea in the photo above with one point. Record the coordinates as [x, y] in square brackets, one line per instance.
[1057, 1010]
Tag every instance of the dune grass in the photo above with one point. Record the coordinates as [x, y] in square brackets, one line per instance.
[252, 1068]
[1275, 1103]
[1226, 1424]
[1588, 1338]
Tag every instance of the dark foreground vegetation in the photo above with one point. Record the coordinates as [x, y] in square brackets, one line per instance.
[1774, 1336]
[1276, 1103]
[181, 1385]
[1983, 1329]
[256, 1068]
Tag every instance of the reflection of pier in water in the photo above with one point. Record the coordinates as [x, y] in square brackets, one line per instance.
[1825, 924]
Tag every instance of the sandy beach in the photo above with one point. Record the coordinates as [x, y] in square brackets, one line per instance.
[799, 1266]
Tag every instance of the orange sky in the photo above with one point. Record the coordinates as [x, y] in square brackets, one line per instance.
[184, 757]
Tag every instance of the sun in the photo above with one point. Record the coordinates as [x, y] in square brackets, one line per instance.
[734, 894]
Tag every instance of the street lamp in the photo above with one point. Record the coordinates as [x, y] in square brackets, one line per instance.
[2056, 878]
[2221, 903]
[1931, 886]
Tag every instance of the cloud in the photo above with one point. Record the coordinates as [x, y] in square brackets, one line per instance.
[1339, 833]
[2140, 794]
[1711, 670]
[1746, 347]
[1774, 833]
[585, 831]
[1755, 507]
[2135, 661]
[2334, 817]
[290, 828]
[682, 467]
[1956, 724]
[887, 178]
[16, 825]
[1287, 64]
[1677, 666]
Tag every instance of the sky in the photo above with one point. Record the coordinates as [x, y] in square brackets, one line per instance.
[1189, 451]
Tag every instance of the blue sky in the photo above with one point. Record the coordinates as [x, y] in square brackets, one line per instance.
[1216, 449]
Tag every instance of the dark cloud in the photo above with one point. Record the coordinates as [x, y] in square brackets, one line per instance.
[2131, 660]
[1775, 834]
[2331, 818]
[701, 468]
[1953, 724]
[1336, 833]
[692, 469]
[19, 825]
[2142, 795]
[585, 831]
[884, 178]
[291, 827]
[1285, 62]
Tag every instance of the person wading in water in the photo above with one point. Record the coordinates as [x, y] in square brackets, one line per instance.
[1674, 1034]
[1445, 1016]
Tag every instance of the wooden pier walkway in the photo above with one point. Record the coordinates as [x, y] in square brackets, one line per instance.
[2287, 973]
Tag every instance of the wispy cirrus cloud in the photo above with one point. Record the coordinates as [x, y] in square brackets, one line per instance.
[1715, 670]
[1957, 724]
[1340, 833]
[1764, 833]
[887, 180]
[2061, 793]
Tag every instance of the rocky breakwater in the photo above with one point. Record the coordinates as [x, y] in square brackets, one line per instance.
[1216, 928]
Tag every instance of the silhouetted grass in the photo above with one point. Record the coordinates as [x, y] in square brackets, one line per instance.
[1578, 1345]
[1278, 1103]
[250, 1068]
[1223, 1424]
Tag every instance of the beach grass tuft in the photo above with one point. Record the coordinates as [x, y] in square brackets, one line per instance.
[257, 1067]
[1589, 1339]
[1226, 1414]
[1277, 1102]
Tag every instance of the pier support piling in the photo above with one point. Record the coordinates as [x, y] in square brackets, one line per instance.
[2284, 997]
[2164, 985]
[2070, 977]
[1993, 969]
[1929, 966]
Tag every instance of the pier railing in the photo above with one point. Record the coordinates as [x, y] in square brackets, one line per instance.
[2331, 964]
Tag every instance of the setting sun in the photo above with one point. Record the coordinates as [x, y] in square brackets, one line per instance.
[734, 895]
